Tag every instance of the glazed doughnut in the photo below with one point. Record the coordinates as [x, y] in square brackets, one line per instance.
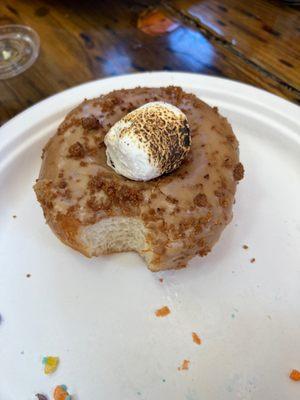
[167, 220]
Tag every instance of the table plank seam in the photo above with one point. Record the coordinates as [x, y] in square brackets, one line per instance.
[213, 36]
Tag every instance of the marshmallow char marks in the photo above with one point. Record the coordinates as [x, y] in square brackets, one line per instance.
[150, 141]
[167, 220]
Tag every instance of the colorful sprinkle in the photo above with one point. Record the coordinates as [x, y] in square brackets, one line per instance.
[196, 338]
[162, 312]
[295, 375]
[61, 393]
[51, 364]
[185, 365]
[41, 396]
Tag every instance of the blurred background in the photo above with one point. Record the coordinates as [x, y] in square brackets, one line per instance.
[256, 42]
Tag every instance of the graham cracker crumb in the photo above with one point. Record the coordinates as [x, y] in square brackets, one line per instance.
[90, 122]
[238, 172]
[201, 200]
[196, 338]
[184, 366]
[162, 312]
[76, 150]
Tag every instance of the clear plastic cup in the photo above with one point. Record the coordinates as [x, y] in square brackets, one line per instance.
[19, 48]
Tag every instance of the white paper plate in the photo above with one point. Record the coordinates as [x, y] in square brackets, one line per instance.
[98, 315]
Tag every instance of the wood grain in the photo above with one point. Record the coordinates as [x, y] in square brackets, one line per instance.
[264, 32]
[81, 41]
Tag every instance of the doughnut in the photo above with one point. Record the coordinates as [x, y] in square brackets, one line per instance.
[167, 220]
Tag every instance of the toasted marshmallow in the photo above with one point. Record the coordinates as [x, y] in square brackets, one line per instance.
[148, 142]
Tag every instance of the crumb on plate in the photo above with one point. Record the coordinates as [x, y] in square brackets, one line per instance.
[161, 280]
[41, 396]
[252, 260]
[245, 247]
[295, 375]
[51, 364]
[196, 338]
[184, 366]
[162, 312]
[61, 393]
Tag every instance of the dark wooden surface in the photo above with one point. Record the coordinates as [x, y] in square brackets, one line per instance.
[252, 41]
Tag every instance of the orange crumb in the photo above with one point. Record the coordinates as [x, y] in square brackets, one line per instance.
[185, 365]
[161, 280]
[162, 312]
[295, 375]
[196, 338]
[252, 260]
[245, 247]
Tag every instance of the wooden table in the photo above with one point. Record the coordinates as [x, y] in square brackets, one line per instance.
[252, 41]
